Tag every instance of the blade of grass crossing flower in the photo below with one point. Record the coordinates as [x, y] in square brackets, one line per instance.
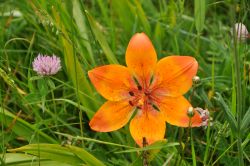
[199, 14]
[152, 148]
[22, 128]
[101, 39]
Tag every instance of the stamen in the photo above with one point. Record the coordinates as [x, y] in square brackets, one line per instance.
[139, 87]
[136, 81]
[155, 107]
[131, 103]
[151, 79]
[131, 93]
[144, 141]
[138, 107]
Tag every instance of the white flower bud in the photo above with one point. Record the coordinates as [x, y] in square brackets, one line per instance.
[196, 80]
[190, 112]
[241, 31]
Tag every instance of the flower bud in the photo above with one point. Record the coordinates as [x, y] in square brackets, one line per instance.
[241, 31]
[190, 112]
[196, 80]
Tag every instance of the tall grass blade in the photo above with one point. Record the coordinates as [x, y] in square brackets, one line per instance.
[199, 14]
[246, 121]
[230, 118]
[82, 30]
[74, 69]
[20, 159]
[101, 39]
[22, 128]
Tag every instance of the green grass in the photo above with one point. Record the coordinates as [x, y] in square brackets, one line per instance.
[51, 122]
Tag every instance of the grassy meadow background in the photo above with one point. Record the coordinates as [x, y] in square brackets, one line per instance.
[44, 121]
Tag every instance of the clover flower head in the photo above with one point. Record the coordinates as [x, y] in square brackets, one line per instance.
[46, 65]
[241, 31]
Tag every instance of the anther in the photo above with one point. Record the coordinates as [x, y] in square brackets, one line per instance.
[131, 93]
[131, 103]
[151, 79]
[139, 87]
[136, 81]
[155, 107]
[138, 107]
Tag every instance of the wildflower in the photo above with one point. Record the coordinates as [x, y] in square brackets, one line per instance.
[46, 65]
[150, 90]
[241, 31]
[204, 115]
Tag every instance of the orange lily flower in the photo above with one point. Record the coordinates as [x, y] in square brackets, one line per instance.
[150, 89]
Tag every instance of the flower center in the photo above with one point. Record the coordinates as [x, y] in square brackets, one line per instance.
[140, 98]
[143, 97]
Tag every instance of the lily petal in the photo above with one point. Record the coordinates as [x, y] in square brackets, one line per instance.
[113, 82]
[174, 111]
[148, 124]
[111, 116]
[141, 57]
[174, 75]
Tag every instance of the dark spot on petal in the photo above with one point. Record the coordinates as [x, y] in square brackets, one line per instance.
[131, 93]
[138, 107]
[155, 107]
[139, 87]
[131, 103]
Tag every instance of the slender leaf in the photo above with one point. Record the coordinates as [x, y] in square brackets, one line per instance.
[199, 14]
[22, 128]
[65, 154]
[246, 121]
[74, 69]
[85, 156]
[20, 159]
[230, 118]
[101, 39]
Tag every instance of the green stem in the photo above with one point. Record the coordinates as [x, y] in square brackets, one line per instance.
[192, 148]
[239, 99]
